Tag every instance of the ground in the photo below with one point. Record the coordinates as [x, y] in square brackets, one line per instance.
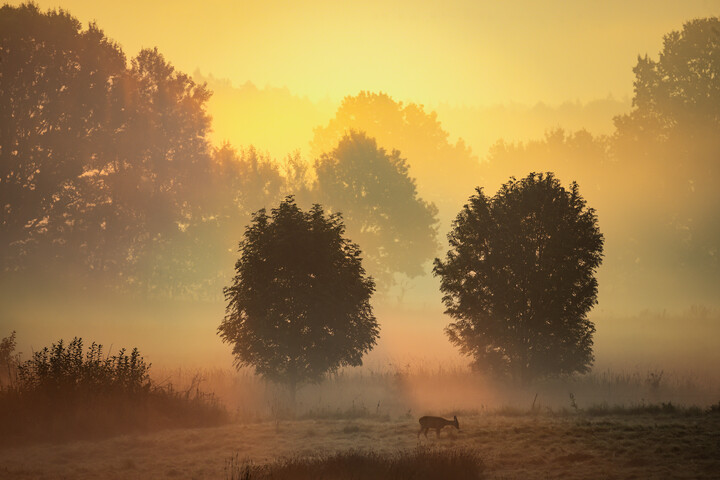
[567, 446]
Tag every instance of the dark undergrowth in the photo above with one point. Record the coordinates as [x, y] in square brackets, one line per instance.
[417, 464]
[66, 392]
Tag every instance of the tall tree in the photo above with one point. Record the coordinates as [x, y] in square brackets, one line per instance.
[102, 166]
[299, 305]
[668, 146]
[379, 201]
[55, 81]
[679, 94]
[519, 279]
[158, 172]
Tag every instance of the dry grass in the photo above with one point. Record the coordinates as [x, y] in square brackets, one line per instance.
[607, 425]
[68, 392]
[573, 446]
[421, 463]
[416, 388]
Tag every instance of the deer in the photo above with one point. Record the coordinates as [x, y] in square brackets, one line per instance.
[426, 423]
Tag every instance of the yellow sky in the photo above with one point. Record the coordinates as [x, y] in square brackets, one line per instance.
[464, 52]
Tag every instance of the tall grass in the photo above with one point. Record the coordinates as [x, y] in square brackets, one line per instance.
[68, 392]
[413, 389]
[417, 464]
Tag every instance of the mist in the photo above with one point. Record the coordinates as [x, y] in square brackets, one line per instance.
[134, 195]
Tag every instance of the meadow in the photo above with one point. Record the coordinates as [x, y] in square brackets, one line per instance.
[609, 425]
[641, 445]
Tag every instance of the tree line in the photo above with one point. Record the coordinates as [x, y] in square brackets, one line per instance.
[108, 175]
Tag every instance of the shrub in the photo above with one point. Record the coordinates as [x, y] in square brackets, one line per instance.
[65, 392]
[64, 370]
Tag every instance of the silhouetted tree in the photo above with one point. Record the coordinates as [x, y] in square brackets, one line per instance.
[159, 167]
[103, 167]
[240, 182]
[680, 93]
[519, 279]
[669, 146]
[299, 305]
[55, 82]
[441, 168]
[379, 201]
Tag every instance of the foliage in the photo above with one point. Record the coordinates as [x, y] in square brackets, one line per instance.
[378, 200]
[680, 92]
[670, 142]
[63, 370]
[55, 83]
[299, 305]
[441, 168]
[239, 182]
[106, 169]
[67, 392]
[519, 279]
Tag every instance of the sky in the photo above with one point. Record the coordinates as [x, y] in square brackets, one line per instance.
[461, 52]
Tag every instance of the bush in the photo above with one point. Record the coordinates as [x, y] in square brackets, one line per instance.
[64, 370]
[65, 392]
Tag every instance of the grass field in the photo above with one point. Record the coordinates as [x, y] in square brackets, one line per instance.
[363, 423]
[680, 444]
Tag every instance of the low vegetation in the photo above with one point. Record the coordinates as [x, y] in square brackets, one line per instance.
[417, 464]
[537, 446]
[68, 392]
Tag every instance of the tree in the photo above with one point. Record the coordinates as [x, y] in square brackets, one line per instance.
[299, 305]
[240, 182]
[519, 279]
[679, 93]
[55, 80]
[102, 166]
[441, 168]
[668, 147]
[379, 201]
[157, 168]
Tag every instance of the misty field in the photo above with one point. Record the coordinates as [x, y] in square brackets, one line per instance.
[663, 445]
[634, 425]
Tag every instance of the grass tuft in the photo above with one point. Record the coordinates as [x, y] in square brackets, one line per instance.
[417, 464]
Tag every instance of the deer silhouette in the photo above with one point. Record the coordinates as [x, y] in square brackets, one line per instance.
[427, 422]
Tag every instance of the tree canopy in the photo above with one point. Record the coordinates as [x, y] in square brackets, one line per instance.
[106, 171]
[55, 82]
[299, 305]
[519, 279]
[440, 167]
[379, 201]
[668, 148]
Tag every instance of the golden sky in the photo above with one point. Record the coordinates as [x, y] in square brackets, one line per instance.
[464, 52]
